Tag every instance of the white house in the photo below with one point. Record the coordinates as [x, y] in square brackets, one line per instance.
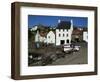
[62, 35]
[50, 37]
[85, 36]
[64, 32]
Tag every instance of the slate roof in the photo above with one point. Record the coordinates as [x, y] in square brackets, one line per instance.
[64, 25]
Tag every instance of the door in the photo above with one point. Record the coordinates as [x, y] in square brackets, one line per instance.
[62, 42]
[67, 41]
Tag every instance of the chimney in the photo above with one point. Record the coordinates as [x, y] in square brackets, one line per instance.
[59, 21]
[71, 24]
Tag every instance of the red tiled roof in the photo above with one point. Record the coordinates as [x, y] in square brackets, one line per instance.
[77, 32]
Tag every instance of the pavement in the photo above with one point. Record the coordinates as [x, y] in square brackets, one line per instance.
[80, 57]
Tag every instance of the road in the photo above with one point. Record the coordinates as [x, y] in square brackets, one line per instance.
[80, 57]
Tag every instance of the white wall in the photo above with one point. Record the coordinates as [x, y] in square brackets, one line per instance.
[50, 37]
[64, 34]
[61, 37]
[85, 36]
[5, 38]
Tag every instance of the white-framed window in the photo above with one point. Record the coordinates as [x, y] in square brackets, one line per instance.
[66, 35]
[67, 41]
[63, 35]
[48, 36]
[59, 35]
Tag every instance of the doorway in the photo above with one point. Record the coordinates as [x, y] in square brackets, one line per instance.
[62, 42]
[67, 41]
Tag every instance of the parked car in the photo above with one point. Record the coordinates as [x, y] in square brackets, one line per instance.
[76, 48]
[70, 48]
[67, 48]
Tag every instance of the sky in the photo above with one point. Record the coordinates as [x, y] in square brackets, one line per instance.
[53, 20]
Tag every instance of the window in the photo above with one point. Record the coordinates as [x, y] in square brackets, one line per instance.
[66, 35]
[63, 35]
[67, 41]
[48, 36]
[62, 42]
[59, 35]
